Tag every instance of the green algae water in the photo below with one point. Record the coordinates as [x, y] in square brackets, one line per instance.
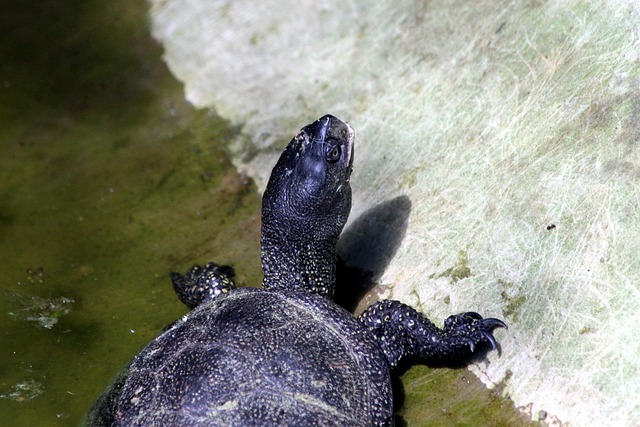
[109, 180]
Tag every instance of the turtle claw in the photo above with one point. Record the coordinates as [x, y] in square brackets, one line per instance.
[472, 345]
[491, 340]
[492, 323]
[488, 325]
[471, 329]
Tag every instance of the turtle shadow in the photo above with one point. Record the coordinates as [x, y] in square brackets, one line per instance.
[367, 247]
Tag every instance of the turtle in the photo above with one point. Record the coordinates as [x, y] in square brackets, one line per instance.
[285, 354]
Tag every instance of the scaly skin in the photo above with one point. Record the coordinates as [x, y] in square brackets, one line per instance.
[402, 331]
[202, 283]
[301, 220]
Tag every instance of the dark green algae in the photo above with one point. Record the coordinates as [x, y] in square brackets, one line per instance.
[108, 181]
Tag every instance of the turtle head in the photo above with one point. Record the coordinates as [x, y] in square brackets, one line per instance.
[305, 206]
[311, 179]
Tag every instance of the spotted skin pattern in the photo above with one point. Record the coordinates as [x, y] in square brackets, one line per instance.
[201, 284]
[402, 331]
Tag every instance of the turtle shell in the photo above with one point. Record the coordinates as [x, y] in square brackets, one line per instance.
[260, 357]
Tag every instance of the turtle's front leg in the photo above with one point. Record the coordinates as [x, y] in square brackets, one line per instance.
[402, 331]
[201, 284]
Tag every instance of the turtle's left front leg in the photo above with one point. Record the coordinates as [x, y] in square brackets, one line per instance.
[403, 331]
[201, 284]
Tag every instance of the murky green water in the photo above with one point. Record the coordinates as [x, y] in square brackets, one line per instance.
[108, 181]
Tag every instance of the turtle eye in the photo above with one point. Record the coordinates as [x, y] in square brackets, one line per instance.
[333, 153]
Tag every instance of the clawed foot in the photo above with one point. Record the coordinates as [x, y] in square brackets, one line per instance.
[472, 329]
[201, 284]
[402, 331]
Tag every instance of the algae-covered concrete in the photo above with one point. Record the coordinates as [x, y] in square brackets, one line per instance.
[512, 128]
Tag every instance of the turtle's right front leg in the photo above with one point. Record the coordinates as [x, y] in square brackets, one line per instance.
[201, 284]
[402, 331]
